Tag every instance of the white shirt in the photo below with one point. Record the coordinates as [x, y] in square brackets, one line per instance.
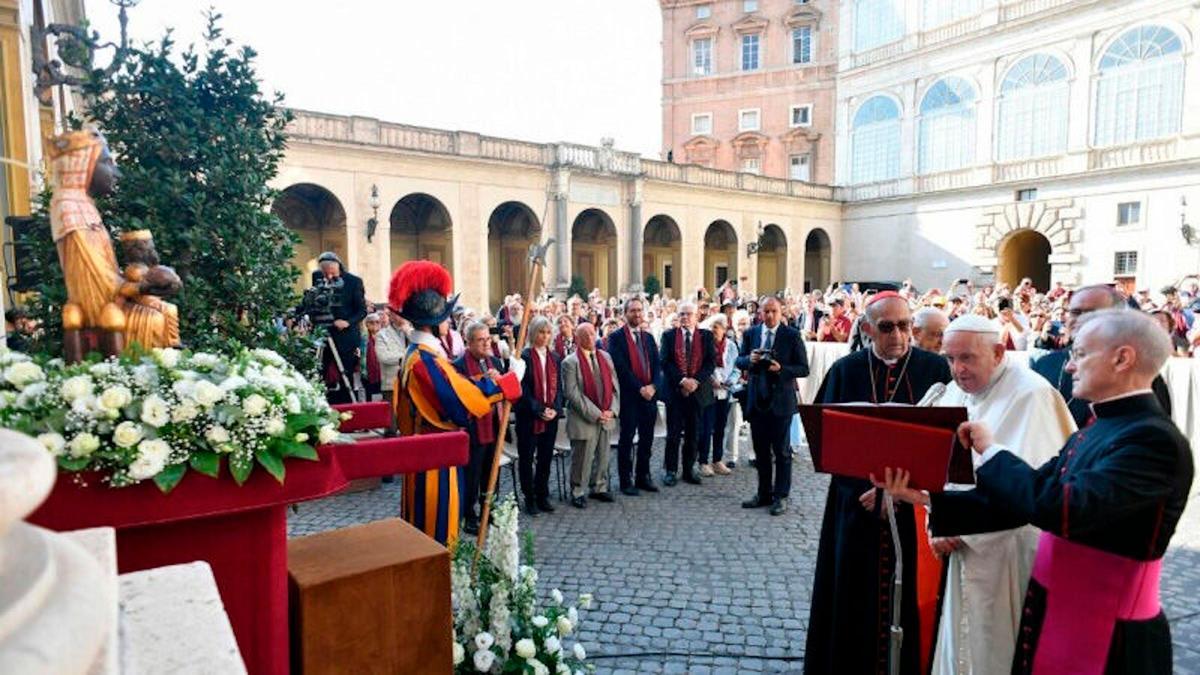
[765, 333]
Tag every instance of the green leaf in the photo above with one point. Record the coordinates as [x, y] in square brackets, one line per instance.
[271, 462]
[297, 449]
[73, 463]
[240, 466]
[299, 422]
[205, 462]
[168, 478]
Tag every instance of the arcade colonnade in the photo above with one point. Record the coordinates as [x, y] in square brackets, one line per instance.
[475, 203]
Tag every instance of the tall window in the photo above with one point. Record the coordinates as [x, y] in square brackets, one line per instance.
[702, 63]
[875, 141]
[703, 11]
[752, 165]
[702, 124]
[748, 120]
[1139, 92]
[800, 115]
[1129, 213]
[1125, 263]
[876, 22]
[947, 129]
[802, 44]
[798, 167]
[750, 51]
[1032, 116]
[939, 12]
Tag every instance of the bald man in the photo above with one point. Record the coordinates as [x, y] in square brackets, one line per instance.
[593, 403]
[1107, 506]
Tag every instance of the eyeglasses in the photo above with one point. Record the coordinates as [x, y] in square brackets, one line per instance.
[887, 327]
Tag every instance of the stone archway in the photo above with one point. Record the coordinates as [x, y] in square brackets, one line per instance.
[1056, 220]
[421, 230]
[772, 261]
[318, 218]
[594, 251]
[818, 257]
[1024, 253]
[662, 253]
[720, 254]
[512, 227]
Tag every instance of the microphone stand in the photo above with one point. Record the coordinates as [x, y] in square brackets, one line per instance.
[896, 633]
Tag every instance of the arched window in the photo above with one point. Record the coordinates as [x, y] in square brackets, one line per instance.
[1032, 117]
[940, 12]
[875, 141]
[876, 22]
[947, 130]
[1139, 93]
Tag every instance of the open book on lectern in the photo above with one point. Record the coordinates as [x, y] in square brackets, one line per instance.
[856, 440]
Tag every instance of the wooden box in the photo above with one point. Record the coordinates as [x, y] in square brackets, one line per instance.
[373, 598]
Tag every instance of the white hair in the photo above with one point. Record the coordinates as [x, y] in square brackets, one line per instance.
[922, 316]
[1122, 327]
[536, 324]
[472, 328]
[717, 318]
[685, 306]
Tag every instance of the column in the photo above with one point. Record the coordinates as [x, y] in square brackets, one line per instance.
[637, 239]
[560, 278]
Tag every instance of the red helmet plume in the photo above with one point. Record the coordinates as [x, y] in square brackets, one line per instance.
[415, 276]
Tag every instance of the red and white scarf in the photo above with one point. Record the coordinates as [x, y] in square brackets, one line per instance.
[603, 397]
[485, 425]
[545, 385]
[718, 352]
[638, 358]
[689, 368]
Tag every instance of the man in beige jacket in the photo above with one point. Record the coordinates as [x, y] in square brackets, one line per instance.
[593, 402]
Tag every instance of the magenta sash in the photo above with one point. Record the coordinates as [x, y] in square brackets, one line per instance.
[1087, 592]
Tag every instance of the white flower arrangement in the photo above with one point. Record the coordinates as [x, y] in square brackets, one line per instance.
[499, 626]
[155, 415]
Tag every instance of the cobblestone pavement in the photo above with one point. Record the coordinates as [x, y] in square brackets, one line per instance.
[687, 581]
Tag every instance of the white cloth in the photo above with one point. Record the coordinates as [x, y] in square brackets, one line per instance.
[986, 579]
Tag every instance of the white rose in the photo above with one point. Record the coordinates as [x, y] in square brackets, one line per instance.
[22, 373]
[184, 388]
[579, 651]
[185, 411]
[205, 360]
[28, 396]
[484, 640]
[562, 669]
[233, 383]
[115, 398]
[301, 437]
[573, 615]
[552, 645]
[85, 405]
[155, 449]
[145, 375]
[206, 393]
[459, 653]
[255, 405]
[525, 648]
[217, 434]
[292, 403]
[275, 426]
[539, 668]
[101, 369]
[556, 596]
[76, 387]
[327, 434]
[127, 434]
[168, 357]
[53, 442]
[484, 660]
[155, 411]
[151, 459]
[540, 621]
[84, 444]
[585, 601]
[565, 626]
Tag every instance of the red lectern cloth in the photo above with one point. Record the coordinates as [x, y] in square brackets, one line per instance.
[365, 416]
[240, 531]
[858, 446]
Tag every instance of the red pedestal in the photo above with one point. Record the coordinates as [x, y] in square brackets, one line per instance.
[240, 531]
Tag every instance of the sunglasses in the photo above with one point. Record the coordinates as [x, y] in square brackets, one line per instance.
[887, 327]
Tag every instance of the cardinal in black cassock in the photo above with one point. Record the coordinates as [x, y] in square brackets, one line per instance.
[849, 621]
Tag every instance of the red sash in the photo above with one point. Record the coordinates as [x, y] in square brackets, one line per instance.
[485, 425]
[374, 374]
[603, 398]
[562, 348]
[689, 369]
[543, 394]
[637, 358]
[718, 352]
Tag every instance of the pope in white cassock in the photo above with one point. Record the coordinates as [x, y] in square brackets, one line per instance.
[986, 574]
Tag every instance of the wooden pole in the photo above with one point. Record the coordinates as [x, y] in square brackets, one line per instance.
[537, 256]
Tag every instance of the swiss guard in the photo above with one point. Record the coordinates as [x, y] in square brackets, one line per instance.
[433, 396]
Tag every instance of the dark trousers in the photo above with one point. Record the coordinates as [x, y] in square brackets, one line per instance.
[475, 475]
[712, 430]
[534, 454]
[636, 417]
[769, 434]
[373, 390]
[683, 424]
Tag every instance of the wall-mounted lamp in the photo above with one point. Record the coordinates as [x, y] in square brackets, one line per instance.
[373, 221]
[753, 247]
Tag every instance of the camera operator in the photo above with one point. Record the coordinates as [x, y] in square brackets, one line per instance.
[347, 307]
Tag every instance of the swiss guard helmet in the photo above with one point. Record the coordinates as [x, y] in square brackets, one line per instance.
[420, 292]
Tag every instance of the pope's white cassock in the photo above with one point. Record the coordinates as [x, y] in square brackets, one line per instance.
[987, 577]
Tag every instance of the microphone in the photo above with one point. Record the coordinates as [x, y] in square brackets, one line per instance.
[935, 394]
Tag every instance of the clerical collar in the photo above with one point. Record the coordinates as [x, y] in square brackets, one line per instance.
[1000, 372]
[1142, 401]
[890, 362]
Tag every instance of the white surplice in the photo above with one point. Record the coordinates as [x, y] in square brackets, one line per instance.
[986, 579]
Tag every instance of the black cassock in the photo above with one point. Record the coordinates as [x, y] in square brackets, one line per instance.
[850, 614]
[1112, 497]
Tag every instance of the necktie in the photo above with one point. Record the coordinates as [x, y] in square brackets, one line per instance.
[687, 349]
[769, 341]
[641, 349]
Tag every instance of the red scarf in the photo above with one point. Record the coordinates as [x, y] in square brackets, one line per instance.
[718, 352]
[637, 358]
[562, 348]
[448, 345]
[603, 399]
[543, 394]
[485, 425]
[496, 350]
[373, 372]
[689, 369]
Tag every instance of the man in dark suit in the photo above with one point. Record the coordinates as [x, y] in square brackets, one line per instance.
[687, 362]
[346, 329]
[773, 355]
[635, 357]
[478, 362]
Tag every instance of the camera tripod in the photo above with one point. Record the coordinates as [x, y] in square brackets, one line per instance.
[357, 394]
